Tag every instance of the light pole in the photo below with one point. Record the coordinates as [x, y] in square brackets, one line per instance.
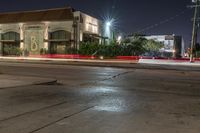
[108, 29]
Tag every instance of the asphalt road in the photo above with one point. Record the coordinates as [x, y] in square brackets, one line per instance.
[101, 100]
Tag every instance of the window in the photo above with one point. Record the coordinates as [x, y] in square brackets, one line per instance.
[11, 36]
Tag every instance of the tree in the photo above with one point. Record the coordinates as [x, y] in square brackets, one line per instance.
[153, 47]
[126, 41]
[197, 46]
[137, 46]
[138, 35]
[197, 49]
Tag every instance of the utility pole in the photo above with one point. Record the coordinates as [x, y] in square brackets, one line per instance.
[195, 28]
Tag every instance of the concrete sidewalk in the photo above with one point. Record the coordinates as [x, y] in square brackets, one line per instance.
[9, 81]
[169, 62]
[135, 64]
[78, 62]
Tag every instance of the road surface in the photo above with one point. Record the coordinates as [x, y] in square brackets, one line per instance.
[101, 100]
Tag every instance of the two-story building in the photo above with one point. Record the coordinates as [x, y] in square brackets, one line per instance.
[58, 31]
[172, 44]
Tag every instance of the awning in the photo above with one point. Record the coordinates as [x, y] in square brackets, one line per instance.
[96, 36]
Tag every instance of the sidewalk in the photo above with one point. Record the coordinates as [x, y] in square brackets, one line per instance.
[78, 62]
[169, 62]
[9, 81]
[116, 63]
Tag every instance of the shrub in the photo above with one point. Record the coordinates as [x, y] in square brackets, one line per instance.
[128, 48]
[11, 50]
[43, 51]
[89, 48]
[198, 54]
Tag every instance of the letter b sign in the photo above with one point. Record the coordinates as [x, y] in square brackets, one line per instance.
[34, 45]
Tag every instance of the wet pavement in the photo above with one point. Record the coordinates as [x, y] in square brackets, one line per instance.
[8, 81]
[101, 100]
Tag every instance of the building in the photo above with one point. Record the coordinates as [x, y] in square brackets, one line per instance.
[55, 31]
[173, 45]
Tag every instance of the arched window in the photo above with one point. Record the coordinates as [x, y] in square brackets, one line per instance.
[11, 44]
[60, 35]
[60, 42]
[11, 36]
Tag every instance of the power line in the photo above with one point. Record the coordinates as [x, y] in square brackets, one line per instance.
[162, 22]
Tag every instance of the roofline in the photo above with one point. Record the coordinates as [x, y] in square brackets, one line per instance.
[38, 10]
[37, 21]
[82, 12]
[162, 35]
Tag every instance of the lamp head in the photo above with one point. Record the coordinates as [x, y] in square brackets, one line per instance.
[108, 23]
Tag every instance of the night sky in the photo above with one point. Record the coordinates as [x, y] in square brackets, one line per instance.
[148, 16]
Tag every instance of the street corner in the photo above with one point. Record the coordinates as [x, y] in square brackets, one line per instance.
[10, 81]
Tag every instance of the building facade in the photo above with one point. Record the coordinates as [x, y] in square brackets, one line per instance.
[173, 45]
[54, 31]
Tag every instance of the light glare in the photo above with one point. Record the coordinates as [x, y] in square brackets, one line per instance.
[108, 24]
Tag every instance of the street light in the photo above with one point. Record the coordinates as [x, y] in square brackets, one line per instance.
[108, 29]
[108, 24]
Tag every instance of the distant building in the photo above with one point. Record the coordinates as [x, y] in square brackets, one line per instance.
[54, 30]
[173, 44]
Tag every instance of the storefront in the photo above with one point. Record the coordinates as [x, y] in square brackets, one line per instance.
[60, 42]
[10, 42]
[51, 31]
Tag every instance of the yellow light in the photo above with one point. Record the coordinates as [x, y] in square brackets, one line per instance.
[91, 24]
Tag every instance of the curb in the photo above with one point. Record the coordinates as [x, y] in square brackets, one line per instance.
[128, 64]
